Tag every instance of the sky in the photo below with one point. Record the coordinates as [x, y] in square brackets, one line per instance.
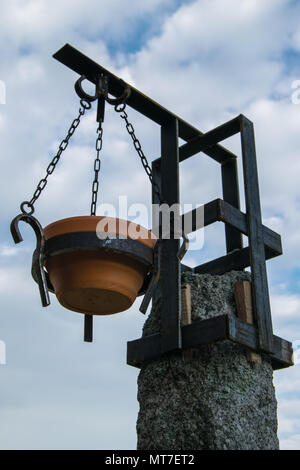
[205, 60]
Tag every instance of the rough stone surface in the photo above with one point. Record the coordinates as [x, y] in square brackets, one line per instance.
[218, 400]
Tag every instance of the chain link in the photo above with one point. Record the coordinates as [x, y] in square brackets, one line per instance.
[27, 207]
[137, 145]
[97, 167]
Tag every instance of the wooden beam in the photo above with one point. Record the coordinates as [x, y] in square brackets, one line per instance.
[219, 210]
[220, 328]
[243, 299]
[186, 316]
[260, 292]
[170, 264]
[83, 65]
[230, 185]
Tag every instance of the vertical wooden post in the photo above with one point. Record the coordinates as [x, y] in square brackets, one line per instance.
[231, 195]
[186, 316]
[156, 175]
[170, 264]
[260, 292]
[243, 300]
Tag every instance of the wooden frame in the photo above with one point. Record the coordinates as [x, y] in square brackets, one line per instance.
[263, 242]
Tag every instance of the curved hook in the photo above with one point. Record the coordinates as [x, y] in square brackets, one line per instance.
[33, 222]
[37, 258]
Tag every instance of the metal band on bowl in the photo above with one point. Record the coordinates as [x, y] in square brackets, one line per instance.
[90, 241]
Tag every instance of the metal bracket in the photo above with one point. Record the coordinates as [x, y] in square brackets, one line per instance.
[154, 279]
[101, 94]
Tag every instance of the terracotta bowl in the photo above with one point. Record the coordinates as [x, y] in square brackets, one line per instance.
[97, 281]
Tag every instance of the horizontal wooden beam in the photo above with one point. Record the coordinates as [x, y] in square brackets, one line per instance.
[199, 333]
[203, 142]
[219, 210]
[247, 335]
[144, 349]
[83, 65]
[235, 261]
[236, 218]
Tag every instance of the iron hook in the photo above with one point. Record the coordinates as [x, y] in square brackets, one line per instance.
[37, 258]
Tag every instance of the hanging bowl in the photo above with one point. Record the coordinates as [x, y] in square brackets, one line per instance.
[97, 271]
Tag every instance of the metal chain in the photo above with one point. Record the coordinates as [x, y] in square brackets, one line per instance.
[52, 165]
[130, 129]
[97, 166]
[137, 145]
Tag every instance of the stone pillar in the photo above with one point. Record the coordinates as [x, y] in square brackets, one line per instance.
[217, 399]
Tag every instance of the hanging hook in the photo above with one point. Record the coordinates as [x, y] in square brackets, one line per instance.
[37, 263]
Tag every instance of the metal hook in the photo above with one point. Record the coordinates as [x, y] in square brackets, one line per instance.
[37, 263]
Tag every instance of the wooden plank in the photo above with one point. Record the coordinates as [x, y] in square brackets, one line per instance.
[230, 185]
[234, 261]
[243, 299]
[83, 65]
[242, 333]
[186, 316]
[203, 142]
[196, 334]
[186, 303]
[283, 353]
[190, 220]
[204, 332]
[247, 335]
[260, 292]
[144, 349]
[156, 174]
[219, 210]
[170, 264]
[238, 219]
[223, 327]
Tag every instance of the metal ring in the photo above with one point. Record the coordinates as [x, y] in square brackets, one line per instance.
[28, 204]
[80, 91]
[120, 99]
[85, 104]
[119, 108]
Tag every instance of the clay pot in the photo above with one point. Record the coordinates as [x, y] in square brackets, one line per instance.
[97, 280]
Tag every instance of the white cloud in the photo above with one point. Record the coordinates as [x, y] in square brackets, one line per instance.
[285, 306]
[292, 443]
[6, 250]
[14, 280]
[201, 67]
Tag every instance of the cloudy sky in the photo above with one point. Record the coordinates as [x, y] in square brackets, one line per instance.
[207, 61]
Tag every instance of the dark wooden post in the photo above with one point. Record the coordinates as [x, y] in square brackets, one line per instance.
[170, 264]
[231, 195]
[261, 301]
